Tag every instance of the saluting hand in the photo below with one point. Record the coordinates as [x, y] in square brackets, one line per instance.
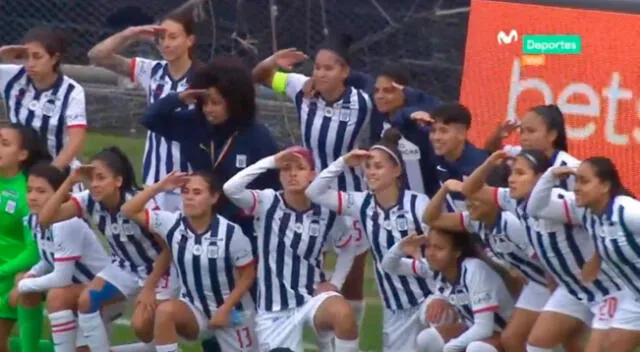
[173, 180]
[12, 52]
[412, 245]
[148, 32]
[81, 173]
[357, 157]
[562, 172]
[497, 158]
[287, 58]
[190, 96]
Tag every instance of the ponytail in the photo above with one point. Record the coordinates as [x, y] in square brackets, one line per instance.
[115, 159]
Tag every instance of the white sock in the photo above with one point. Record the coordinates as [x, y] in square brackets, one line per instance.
[538, 349]
[479, 346]
[167, 348]
[94, 331]
[63, 331]
[358, 309]
[325, 344]
[429, 340]
[346, 345]
[134, 347]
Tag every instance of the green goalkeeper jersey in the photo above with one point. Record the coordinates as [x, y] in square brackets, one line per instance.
[13, 209]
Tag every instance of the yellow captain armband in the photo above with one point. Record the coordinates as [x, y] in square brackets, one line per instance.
[279, 82]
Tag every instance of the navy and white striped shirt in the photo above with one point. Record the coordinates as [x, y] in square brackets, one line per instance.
[206, 262]
[507, 240]
[331, 130]
[562, 248]
[68, 241]
[383, 228]
[50, 112]
[133, 248]
[615, 232]
[161, 155]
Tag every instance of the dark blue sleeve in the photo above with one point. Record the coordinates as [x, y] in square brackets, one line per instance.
[164, 118]
[420, 100]
[362, 81]
[265, 147]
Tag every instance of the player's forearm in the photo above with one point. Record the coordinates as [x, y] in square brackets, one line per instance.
[160, 266]
[47, 215]
[134, 208]
[344, 261]
[71, 150]
[475, 182]
[434, 209]
[107, 49]
[320, 192]
[236, 188]
[264, 71]
[394, 262]
[247, 276]
[61, 276]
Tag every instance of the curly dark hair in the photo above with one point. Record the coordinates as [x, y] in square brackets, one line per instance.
[233, 80]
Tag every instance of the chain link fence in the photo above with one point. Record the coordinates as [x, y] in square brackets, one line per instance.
[428, 36]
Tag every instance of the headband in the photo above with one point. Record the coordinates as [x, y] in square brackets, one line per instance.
[388, 151]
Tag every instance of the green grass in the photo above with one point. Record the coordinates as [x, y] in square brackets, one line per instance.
[371, 339]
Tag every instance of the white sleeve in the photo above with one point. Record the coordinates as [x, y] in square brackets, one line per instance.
[81, 199]
[76, 114]
[61, 276]
[141, 70]
[502, 198]
[160, 221]
[320, 192]
[7, 72]
[512, 150]
[295, 83]
[481, 329]
[468, 224]
[344, 261]
[41, 268]
[552, 204]
[517, 233]
[240, 249]
[630, 219]
[236, 187]
[67, 240]
[394, 262]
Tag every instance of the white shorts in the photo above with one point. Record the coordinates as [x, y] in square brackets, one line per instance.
[285, 328]
[400, 328]
[169, 201]
[130, 284]
[627, 311]
[599, 315]
[533, 297]
[239, 338]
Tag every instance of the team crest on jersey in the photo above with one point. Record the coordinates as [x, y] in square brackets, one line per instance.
[345, 115]
[241, 161]
[10, 207]
[314, 228]
[212, 250]
[402, 224]
[49, 107]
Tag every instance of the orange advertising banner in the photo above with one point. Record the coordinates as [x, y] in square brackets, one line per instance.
[597, 89]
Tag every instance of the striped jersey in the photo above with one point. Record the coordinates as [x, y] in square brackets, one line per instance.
[478, 289]
[507, 241]
[384, 228]
[331, 130]
[69, 241]
[50, 112]
[161, 156]
[133, 248]
[206, 261]
[562, 248]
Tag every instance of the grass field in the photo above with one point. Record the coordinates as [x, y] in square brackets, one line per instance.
[371, 339]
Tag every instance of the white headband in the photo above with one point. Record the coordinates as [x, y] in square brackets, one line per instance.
[393, 155]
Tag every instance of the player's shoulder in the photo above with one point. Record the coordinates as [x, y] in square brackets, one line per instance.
[75, 226]
[70, 82]
[473, 266]
[563, 158]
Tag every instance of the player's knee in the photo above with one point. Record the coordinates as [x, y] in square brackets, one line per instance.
[142, 323]
[165, 312]
[30, 299]
[342, 316]
[58, 299]
[84, 301]
[538, 338]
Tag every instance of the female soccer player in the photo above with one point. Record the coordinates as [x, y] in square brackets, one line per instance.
[215, 262]
[20, 149]
[332, 123]
[292, 235]
[388, 213]
[542, 128]
[40, 96]
[478, 293]
[562, 250]
[612, 217]
[506, 238]
[70, 257]
[176, 42]
[137, 255]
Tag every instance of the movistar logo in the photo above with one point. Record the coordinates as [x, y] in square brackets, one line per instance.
[504, 38]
